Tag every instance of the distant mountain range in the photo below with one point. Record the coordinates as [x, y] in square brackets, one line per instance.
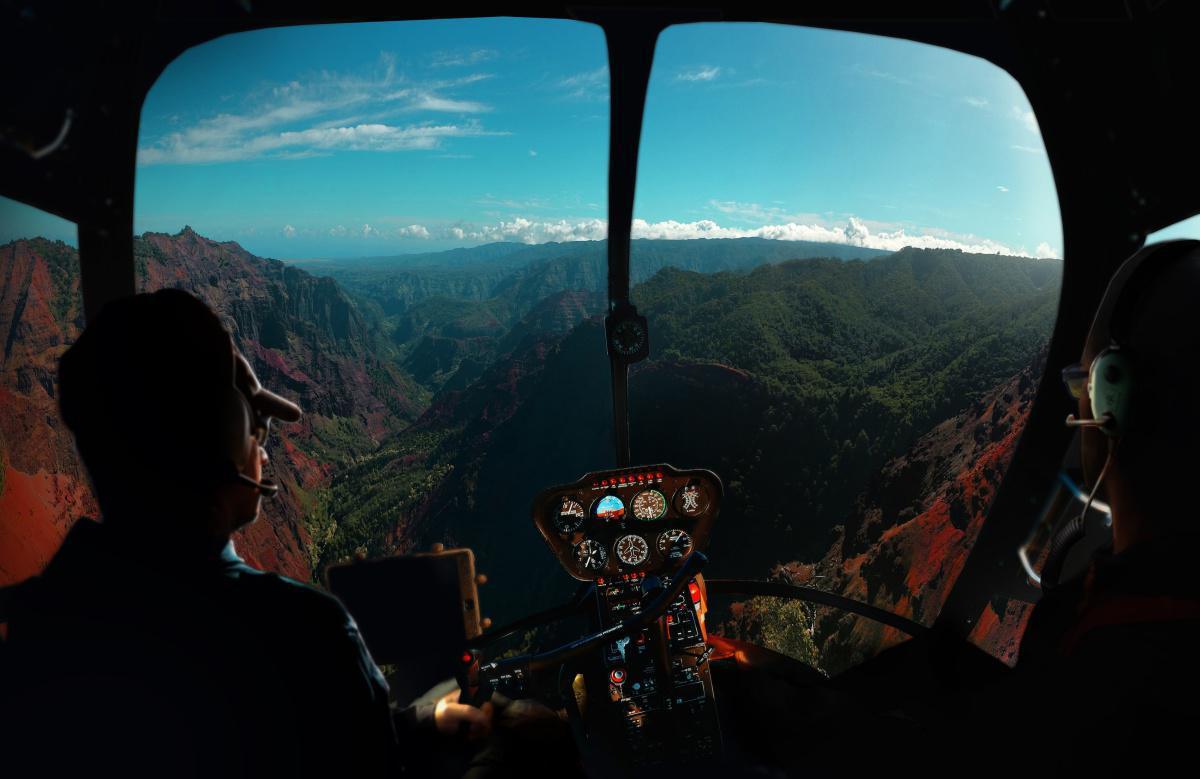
[443, 395]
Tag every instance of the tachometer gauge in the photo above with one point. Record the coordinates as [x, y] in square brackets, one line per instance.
[649, 505]
[674, 544]
[590, 555]
[570, 516]
[632, 550]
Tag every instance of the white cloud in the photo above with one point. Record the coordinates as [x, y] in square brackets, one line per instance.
[364, 137]
[702, 73]
[447, 59]
[522, 230]
[864, 70]
[1029, 149]
[413, 231]
[853, 231]
[588, 85]
[856, 232]
[1001, 188]
[1045, 251]
[976, 102]
[431, 102]
[756, 213]
[1026, 118]
[326, 112]
[289, 231]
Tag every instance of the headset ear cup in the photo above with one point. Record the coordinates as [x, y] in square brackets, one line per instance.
[1110, 390]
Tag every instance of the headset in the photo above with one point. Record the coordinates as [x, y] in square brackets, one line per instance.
[1112, 379]
[238, 426]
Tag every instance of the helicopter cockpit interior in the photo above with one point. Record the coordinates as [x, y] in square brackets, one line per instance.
[690, 373]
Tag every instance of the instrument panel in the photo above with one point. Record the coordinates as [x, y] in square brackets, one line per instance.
[628, 520]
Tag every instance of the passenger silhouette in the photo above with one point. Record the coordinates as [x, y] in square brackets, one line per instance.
[1107, 662]
[147, 646]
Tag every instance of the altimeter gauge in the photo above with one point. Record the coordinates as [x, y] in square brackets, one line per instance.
[649, 505]
[632, 550]
[674, 544]
[570, 516]
[590, 555]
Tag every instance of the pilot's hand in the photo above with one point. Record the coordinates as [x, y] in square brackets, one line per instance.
[449, 716]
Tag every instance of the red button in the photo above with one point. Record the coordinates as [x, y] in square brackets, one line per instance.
[621, 480]
[466, 658]
[617, 676]
[660, 474]
[694, 589]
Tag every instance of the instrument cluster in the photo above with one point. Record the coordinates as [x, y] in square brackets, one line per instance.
[630, 520]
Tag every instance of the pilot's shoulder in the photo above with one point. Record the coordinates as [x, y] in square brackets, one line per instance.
[291, 598]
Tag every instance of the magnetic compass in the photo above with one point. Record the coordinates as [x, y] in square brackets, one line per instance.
[627, 332]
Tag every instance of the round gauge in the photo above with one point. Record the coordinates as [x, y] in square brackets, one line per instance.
[632, 550]
[590, 555]
[692, 499]
[674, 544]
[570, 516]
[609, 508]
[628, 337]
[649, 505]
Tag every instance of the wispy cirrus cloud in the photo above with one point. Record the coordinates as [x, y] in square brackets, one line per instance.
[311, 142]
[324, 113]
[589, 85]
[461, 58]
[702, 73]
[759, 214]
[871, 72]
[976, 102]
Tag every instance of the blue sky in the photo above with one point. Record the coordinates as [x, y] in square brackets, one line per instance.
[351, 140]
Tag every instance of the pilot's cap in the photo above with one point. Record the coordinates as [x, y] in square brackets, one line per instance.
[264, 402]
[145, 390]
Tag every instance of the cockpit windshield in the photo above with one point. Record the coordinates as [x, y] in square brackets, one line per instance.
[871, 237]
[846, 248]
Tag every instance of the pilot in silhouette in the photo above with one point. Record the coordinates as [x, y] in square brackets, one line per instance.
[147, 646]
[1110, 654]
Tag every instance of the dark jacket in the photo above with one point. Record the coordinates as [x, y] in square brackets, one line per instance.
[1108, 672]
[128, 660]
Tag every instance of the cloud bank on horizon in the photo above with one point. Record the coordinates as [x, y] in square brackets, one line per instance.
[856, 232]
[386, 138]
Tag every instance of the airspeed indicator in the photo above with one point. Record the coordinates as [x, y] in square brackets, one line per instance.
[649, 505]
[570, 516]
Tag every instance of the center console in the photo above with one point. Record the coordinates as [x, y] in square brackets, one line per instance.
[649, 696]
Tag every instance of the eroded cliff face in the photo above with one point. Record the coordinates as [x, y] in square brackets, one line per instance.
[304, 337]
[43, 488]
[916, 525]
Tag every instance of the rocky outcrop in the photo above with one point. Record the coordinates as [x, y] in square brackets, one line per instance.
[914, 527]
[43, 488]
